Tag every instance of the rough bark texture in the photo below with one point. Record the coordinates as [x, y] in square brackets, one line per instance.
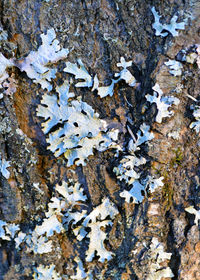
[100, 32]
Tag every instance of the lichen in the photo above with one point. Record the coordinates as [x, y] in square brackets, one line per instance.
[125, 75]
[175, 67]
[127, 170]
[195, 212]
[157, 256]
[3, 168]
[163, 103]
[172, 27]
[46, 273]
[36, 63]
[196, 124]
[4, 64]
[81, 130]
[79, 73]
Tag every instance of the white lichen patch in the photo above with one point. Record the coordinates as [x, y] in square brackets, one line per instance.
[37, 241]
[196, 124]
[125, 75]
[104, 91]
[81, 130]
[3, 35]
[163, 103]
[191, 57]
[72, 193]
[46, 273]
[10, 86]
[172, 27]
[135, 193]
[174, 134]
[3, 234]
[96, 220]
[198, 57]
[80, 271]
[175, 67]
[58, 217]
[38, 244]
[8, 231]
[195, 212]
[36, 63]
[49, 226]
[4, 64]
[3, 168]
[70, 198]
[143, 136]
[19, 239]
[127, 170]
[54, 110]
[80, 72]
[157, 256]
[11, 229]
[153, 183]
[97, 238]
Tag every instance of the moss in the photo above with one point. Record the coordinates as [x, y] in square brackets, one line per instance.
[167, 189]
[178, 159]
[167, 196]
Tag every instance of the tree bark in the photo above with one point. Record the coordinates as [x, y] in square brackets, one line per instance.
[100, 33]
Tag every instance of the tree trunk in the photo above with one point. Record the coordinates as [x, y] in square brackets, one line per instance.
[140, 231]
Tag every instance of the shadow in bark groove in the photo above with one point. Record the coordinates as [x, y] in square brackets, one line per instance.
[175, 260]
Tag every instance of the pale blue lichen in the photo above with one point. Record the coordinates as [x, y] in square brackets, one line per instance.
[172, 27]
[36, 63]
[46, 273]
[125, 75]
[163, 103]
[195, 212]
[175, 67]
[81, 130]
[80, 72]
[4, 64]
[97, 220]
[157, 256]
[8, 231]
[196, 124]
[127, 170]
[135, 193]
[3, 168]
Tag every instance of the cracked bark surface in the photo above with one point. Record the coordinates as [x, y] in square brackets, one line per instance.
[100, 32]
